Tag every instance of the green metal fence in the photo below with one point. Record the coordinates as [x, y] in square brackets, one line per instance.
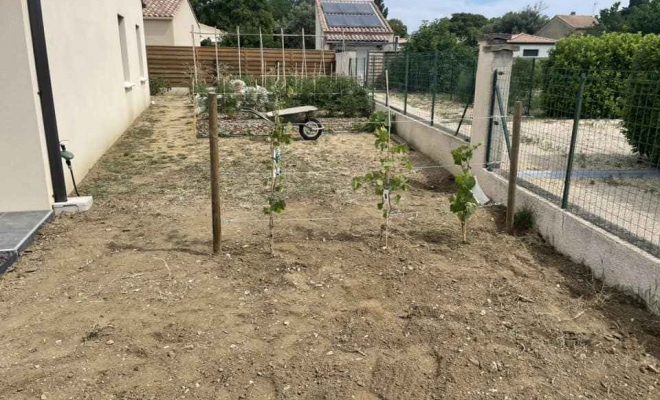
[434, 87]
[590, 144]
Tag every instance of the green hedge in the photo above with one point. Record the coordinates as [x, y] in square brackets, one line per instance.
[641, 113]
[607, 60]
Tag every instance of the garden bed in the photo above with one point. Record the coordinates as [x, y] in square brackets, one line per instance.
[125, 301]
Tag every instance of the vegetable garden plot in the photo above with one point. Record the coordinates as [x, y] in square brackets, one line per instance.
[126, 302]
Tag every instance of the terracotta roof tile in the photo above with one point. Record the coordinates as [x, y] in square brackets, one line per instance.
[522, 38]
[354, 34]
[161, 8]
[579, 21]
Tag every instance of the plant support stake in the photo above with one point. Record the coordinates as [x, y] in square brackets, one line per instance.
[574, 135]
[215, 173]
[238, 35]
[513, 169]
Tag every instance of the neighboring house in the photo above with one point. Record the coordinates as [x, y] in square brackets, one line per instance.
[355, 26]
[400, 43]
[72, 71]
[170, 23]
[562, 26]
[532, 46]
[210, 33]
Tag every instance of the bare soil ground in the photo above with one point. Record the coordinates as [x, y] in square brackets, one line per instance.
[626, 204]
[125, 302]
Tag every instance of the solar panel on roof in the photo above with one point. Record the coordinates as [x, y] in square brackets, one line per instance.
[353, 21]
[364, 8]
[335, 20]
[331, 7]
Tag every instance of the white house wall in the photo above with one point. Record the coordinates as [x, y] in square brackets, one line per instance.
[159, 32]
[92, 105]
[544, 50]
[183, 21]
[24, 173]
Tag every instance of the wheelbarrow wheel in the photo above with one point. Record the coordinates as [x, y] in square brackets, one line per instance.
[311, 130]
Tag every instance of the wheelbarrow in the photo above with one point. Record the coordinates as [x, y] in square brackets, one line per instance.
[310, 128]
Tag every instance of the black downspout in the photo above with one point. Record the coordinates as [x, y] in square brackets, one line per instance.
[47, 102]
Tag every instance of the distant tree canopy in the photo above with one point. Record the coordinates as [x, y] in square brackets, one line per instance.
[528, 20]
[641, 16]
[399, 28]
[460, 32]
[251, 15]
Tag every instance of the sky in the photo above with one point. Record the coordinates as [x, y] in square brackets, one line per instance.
[412, 12]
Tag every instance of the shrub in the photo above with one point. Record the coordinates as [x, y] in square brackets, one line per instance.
[607, 60]
[641, 113]
[158, 86]
[524, 219]
[463, 203]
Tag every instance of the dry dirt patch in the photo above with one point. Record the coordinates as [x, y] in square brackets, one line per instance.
[125, 302]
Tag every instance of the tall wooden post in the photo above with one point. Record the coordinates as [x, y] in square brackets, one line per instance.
[215, 173]
[240, 70]
[513, 169]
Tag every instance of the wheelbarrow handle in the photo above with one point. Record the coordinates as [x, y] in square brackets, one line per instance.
[258, 114]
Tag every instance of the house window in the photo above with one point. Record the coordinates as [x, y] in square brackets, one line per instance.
[530, 53]
[124, 48]
[138, 35]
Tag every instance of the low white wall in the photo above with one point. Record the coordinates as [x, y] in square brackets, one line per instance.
[612, 259]
[93, 107]
[24, 173]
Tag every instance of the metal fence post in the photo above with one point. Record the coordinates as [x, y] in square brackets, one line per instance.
[571, 153]
[451, 80]
[434, 88]
[405, 93]
[491, 115]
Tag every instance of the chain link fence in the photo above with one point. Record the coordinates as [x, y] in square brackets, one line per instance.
[590, 144]
[436, 88]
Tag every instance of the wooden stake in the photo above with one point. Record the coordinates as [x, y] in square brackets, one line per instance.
[513, 169]
[217, 60]
[283, 57]
[304, 65]
[263, 67]
[240, 71]
[215, 173]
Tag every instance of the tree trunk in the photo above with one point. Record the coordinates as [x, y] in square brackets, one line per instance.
[464, 231]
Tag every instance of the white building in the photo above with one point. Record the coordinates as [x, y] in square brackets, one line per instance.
[71, 71]
[532, 46]
[170, 23]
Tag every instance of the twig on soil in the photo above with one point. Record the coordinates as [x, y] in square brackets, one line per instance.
[358, 351]
[169, 271]
[578, 315]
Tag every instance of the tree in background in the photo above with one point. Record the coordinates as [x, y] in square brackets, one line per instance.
[467, 27]
[250, 15]
[399, 28]
[381, 6]
[300, 16]
[641, 16]
[458, 33]
[528, 20]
